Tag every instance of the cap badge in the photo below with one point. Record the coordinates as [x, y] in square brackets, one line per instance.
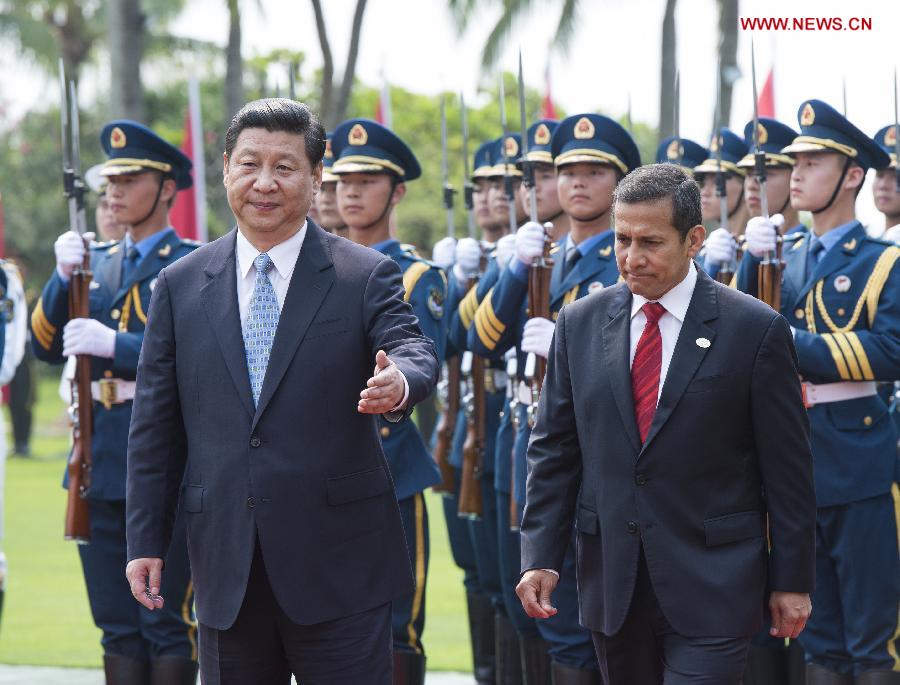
[357, 135]
[890, 136]
[542, 135]
[510, 147]
[762, 135]
[328, 153]
[675, 150]
[117, 138]
[808, 115]
[584, 129]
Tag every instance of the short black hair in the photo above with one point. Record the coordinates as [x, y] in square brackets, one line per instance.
[279, 114]
[656, 181]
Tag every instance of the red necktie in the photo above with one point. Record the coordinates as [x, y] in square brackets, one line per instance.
[645, 369]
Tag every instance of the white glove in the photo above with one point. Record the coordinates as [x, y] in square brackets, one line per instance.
[69, 249]
[720, 247]
[761, 234]
[537, 336]
[89, 336]
[506, 250]
[529, 242]
[468, 259]
[443, 251]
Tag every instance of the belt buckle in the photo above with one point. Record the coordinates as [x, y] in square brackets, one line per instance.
[109, 392]
[809, 394]
[489, 384]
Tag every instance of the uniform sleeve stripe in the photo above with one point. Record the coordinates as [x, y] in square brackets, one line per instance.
[43, 330]
[467, 307]
[482, 335]
[861, 356]
[482, 322]
[852, 364]
[488, 309]
[838, 357]
[411, 276]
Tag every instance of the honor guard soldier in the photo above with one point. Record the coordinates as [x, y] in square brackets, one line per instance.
[683, 152]
[731, 148]
[886, 188]
[773, 136]
[841, 294]
[373, 166]
[328, 216]
[591, 153]
[143, 174]
[13, 333]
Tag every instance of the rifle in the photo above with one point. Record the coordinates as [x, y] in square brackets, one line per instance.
[726, 271]
[770, 268]
[507, 179]
[468, 188]
[470, 497]
[77, 522]
[448, 388]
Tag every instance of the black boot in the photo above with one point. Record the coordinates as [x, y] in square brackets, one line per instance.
[173, 670]
[766, 666]
[566, 675]
[509, 661]
[123, 670]
[819, 675]
[409, 668]
[878, 678]
[481, 630]
[796, 663]
[535, 661]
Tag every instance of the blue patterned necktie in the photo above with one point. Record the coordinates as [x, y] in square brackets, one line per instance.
[262, 320]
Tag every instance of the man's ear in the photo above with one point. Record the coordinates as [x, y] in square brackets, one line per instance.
[399, 193]
[317, 178]
[169, 190]
[856, 176]
[695, 238]
[225, 169]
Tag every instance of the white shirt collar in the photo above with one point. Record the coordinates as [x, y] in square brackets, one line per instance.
[676, 301]
[283, 255]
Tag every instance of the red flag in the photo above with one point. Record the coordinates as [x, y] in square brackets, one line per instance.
[548, 110]
[383, 114]
[766, 103]
[188, 214]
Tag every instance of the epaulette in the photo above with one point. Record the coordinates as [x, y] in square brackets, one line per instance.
[105, 246]
[794, 236]
[410, 249]
[191, 243]
[879, 241]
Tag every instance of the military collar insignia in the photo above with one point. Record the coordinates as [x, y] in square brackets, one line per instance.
[165, 251]
[357, 135]
[808, 115]
[542, 135]
[584, 129]
[605, 251]
[850, 246]
[117, 138]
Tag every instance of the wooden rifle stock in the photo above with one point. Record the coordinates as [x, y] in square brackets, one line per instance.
[446, 427]
[470, 498]
[769, 278]
[77, 525]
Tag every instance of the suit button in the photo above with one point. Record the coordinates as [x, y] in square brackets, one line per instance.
[255, 441]
[632, 527]
[251, 502]
[640, 479]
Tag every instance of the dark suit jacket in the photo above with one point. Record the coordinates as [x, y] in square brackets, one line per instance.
[304, 471]
[728, 444]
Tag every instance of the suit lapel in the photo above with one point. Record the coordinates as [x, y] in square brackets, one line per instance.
[617, 352]
[688, 354]
[312, 279]
[219, 297]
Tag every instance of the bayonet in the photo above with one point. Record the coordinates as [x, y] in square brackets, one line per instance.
[759, 157]
[445, 172]
[468, 188]
[507, 178]
[527, 167]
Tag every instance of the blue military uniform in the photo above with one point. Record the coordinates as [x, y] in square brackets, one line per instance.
[500, 320]
[124, 276]
[682, 152]
[364, 146]
[841, 293]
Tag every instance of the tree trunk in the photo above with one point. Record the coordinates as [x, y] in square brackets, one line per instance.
[728, 40]
[126, 49]
[327, 94]
[234, 66]
[340, 110]
[669, 64]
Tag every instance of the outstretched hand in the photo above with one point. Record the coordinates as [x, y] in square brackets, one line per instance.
[384, 390]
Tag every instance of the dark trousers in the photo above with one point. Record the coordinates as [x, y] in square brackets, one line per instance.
[264, 647]
[647, 651]
[483, 532]
[128, 628]
[408, 612]
[854, 624]
[509, 552]
[460, 541]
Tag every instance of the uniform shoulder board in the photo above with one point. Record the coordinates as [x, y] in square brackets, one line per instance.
[411, 249]
[190, 243]
[794, 236]
[879, 241]
[105, 246]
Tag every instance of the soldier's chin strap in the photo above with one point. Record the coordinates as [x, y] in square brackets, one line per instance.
[738, 204]
[787, 201]
[837, 187]
[553, 218]
[162, 180]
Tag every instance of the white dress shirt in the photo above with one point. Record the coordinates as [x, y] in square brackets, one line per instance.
[284, 258]
[676, 303]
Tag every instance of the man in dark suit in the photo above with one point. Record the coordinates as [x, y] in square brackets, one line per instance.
[256, 402]
[670, 427]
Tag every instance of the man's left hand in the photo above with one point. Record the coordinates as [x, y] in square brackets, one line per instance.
[790, 612]
[89, 336]
[385, 390]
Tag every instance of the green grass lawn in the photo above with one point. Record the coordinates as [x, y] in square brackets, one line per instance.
[46, 618]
